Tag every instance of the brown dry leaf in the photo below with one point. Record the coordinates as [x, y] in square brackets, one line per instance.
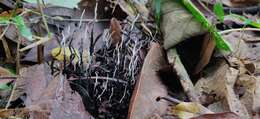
[115, 29]
[256, 98]
[18, 113]
[207, 50]
[177, 23]
[221, 81]
[143, 103]
[244, 44]
[29, 84]
[249, 84]
[48, 97]
[225, 115]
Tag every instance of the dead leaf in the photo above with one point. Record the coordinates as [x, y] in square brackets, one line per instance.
[243, 46]
[143, 103]
[48, 97]
[221, 81]
[116, 30]
[256, 98]
[208, 47]
[18, 113]
[249, 84]
[177, 23]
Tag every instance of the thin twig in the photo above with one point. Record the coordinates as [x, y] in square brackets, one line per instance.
[96, 8]
[170, 99]
[41, 41]
[17, 71]
[8, 77]
[43, 18]
[2, 35]
[239, 29]
[5, 45]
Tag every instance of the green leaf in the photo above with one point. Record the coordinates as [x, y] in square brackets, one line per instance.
[23, 29]
[220, 42]
[157, 11]
[219, 11]
[245, 20]
[62, 3]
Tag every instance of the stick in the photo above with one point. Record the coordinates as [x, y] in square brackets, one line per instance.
[186, 82]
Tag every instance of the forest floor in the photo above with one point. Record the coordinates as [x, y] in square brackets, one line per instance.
[129, 59]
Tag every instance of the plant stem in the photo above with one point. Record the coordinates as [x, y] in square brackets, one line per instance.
[44, 19]
[220, 42]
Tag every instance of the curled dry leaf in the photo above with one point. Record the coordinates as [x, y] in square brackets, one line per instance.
[143, 103]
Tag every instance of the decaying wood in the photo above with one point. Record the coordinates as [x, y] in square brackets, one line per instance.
[186, 82]
[149, 87]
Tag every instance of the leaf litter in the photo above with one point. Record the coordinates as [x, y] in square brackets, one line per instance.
[118, 59]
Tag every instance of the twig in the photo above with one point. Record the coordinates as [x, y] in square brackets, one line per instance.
[170, 99]
[17, 71]
[96, 8]
[8, 77]
[2, 35]
[5, 45]
[41, 41]
[186, 82]
[43, 18]
[239, 29]
[238, 10]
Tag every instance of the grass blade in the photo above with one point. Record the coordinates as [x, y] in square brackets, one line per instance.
[220, 42]
[219, 11]
[157, 11]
